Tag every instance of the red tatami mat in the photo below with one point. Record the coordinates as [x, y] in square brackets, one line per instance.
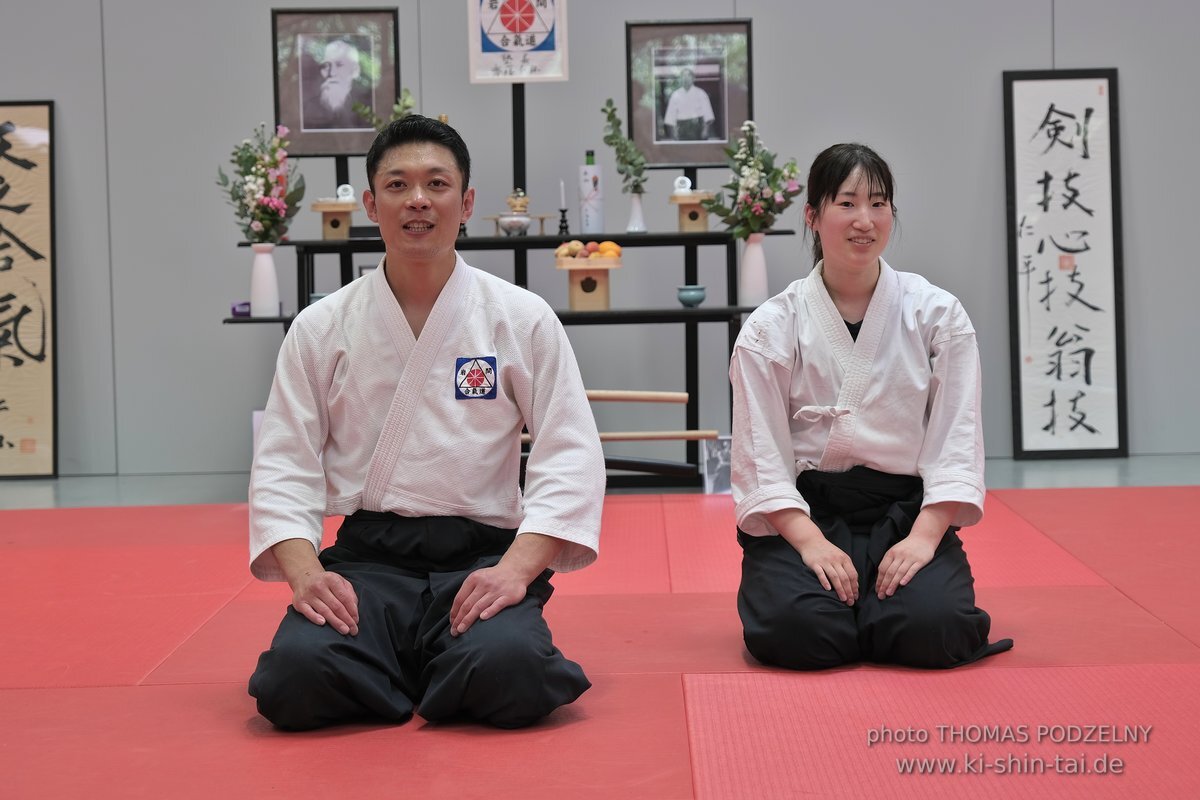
[107, 593]
[1076, 625]
[633, 550]
[1142, 540]
[1005, 550]
[127, 677]
[226, 648]
[625, 738]
[650, 633]
[702, 543]
[700, 632]
[611, 633]
[806, 735]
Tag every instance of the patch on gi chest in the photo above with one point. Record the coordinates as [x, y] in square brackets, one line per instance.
[475, 378]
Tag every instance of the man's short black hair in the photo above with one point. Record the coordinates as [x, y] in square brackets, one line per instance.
[413, 128]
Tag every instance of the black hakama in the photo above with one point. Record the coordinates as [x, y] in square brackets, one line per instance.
[790, 620]
[406, 572]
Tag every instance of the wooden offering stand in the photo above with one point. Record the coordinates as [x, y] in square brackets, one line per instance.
[692, 216]
[335, 217]
[588, 281]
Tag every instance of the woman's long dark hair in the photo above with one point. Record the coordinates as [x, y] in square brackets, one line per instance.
[830, 170]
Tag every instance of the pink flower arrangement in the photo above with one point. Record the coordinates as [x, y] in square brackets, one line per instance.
[265, 191]
[759, 190]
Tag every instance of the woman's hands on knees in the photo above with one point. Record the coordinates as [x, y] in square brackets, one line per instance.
[829, 563]
[906, 557]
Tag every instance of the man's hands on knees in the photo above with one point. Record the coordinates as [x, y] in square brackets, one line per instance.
[829, 563]
[321, 596]
[326, 597]
[486, 592]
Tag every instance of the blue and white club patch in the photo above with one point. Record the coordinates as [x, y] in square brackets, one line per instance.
[475, 378]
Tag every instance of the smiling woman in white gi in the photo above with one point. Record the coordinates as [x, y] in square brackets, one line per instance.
[399, 402]
[857, 448]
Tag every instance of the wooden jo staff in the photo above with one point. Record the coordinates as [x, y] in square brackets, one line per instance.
[634, 396]
[647, 436]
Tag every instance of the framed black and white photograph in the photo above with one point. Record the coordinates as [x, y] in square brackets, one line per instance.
[717, 459]
[1066, 301]
[336, 70]
[689, 89]
[28, 350]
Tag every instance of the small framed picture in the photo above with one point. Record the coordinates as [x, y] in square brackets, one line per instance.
[517, 41]
[336, 70]
[689, 89]
[717, 458]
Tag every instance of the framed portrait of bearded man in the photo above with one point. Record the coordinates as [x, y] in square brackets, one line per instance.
[336, 72]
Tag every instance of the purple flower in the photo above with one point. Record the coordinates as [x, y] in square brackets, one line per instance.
[256, 226]
[281, 131]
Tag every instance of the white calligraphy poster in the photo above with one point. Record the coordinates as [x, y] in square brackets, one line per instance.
[517, 41]
[1064, 264]
[28, 403]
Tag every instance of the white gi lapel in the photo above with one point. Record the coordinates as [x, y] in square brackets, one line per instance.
[420, 356]
[856, 358]
[391, 316]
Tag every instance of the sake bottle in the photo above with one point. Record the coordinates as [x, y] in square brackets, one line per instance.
[591, 196]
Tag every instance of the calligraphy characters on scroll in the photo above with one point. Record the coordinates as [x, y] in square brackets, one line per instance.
[27, 385]
[1065, 263]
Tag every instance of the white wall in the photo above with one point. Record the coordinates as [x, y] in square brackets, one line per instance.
[1153, 44]
[151, 96]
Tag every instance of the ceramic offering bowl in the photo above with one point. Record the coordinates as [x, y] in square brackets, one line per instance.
[690, 296]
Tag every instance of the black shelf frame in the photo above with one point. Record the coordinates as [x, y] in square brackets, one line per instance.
[365, 239]
[664, 474]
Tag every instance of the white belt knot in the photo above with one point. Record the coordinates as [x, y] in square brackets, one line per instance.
[817, 413]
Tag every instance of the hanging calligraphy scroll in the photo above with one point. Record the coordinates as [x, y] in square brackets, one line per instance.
[28, 397]
[1064, 264]
[517, 41]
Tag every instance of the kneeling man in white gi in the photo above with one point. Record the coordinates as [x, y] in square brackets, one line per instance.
[399, 402]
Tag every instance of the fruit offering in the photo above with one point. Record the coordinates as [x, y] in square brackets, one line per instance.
[577, 249]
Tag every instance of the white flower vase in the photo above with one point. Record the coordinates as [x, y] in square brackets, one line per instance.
[752, 280]
[264, 284]
[637, 222]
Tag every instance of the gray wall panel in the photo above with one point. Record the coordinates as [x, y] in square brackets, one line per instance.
[43, 58]
[1153, 46]
[177, 83]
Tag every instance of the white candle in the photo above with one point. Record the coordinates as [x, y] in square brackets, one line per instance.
[562, 194]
